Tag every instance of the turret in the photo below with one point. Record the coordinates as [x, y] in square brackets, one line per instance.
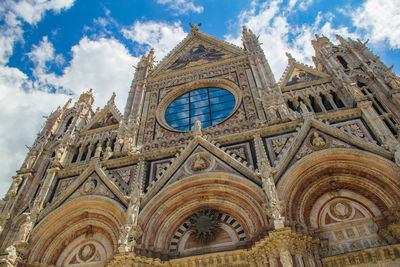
[136, 94]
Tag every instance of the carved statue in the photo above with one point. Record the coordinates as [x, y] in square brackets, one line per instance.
[391, 79]
[59, 154]
[317, 140]
[197, 128]
[274, 204]
[108, 154]
[272, 115]
[355, 91]
[118, 144]
[98, 150]
[199, 163]
[25, 228]
[30, 160]
[134, 205]
[12, 192]
[124, 235]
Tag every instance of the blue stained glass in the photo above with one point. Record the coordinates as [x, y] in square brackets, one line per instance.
[209, 105]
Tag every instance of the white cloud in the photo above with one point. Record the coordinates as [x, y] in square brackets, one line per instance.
[21, 111]
[104, 65]
[380, 19]
[277, 36]
[181, 6]
[161, 36]
[42, 54]
[32, 11]
[14, 13]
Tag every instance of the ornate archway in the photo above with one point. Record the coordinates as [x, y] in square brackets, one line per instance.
[236, 201]
[80, 232]
[341, 195]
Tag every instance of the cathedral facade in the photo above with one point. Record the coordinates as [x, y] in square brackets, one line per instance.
[214, 163]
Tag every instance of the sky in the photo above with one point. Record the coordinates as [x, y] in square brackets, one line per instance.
[51, 51]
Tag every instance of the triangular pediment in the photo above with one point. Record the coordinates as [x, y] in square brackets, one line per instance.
[92, 181]
[107, 118]
[297, 76]
[197, 49]
[200, 156]
[316, 136]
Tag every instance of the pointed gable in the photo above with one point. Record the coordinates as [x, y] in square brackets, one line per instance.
[297, 76]
[197, 49]
[199, 156]
[316, 136]
[108, 117]
[92, 181]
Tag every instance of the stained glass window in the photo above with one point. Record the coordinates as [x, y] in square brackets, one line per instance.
[208, 105]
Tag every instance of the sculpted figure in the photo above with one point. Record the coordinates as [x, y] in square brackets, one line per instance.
[199, 163]
[134, 204]
[124, 235]
[28, 163]
[108, 154]
[197, 128]
[59, 154]
[391, 79]
[318, 141]
[97, 152]
[14, 187]
[25, 229]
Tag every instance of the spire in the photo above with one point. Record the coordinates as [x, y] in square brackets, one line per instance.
[86, 97]
[135, 98]
[250, 40]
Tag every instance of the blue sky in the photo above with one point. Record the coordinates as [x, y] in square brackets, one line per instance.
[53, 50]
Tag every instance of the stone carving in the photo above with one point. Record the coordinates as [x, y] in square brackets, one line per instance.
[86, 252]
[354, 91]
[353, 129]
[125, 174]
[25, 229]
[204, 225]
[197, 128]
[11, 256]
[341, 210]
[108, 154]
[274, 205]
[98, 150]
[317, 141]
[339, 144]
[89, 186]
[12, 192]
[199, 163]
[30, 160]
[304, 151]
[131, 232]
[240, 152]
[391, 79]
[134, 204]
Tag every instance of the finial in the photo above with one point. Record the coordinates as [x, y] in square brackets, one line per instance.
[195, 27]
[111, 101]
[290, 57]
